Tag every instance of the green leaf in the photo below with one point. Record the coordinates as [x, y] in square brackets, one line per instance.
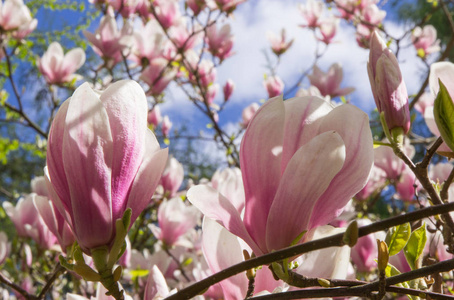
[415, 245]
[138, 273]
[444, 115]
[397, 238]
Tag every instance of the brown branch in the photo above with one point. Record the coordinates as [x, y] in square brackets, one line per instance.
[332, 241]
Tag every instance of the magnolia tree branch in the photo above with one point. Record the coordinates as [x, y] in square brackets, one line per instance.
[20, 110]
[332, 241]
[20, 290]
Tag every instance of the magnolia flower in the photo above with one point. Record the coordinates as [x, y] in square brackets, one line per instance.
[55, 222]
[228, 5]
[172, 177]
[154, 116]
[363, 34]
[274, 86]
[166, 125]
[425, 40]
[221, 250]
[156, 287]
[228, 89]
[28, 222]
[229, 183]
[57, 67]
[39, 187]
[278, 43]
[125, 7]
[286, 143]
[387, 84]
[405, 187]
[115, 160]
[5, 247]
[385, 159]
[167, 12]
[14, 14]
[196, 6]
[329, 83]
[175, 219]
[248, 113]
[373, 15]
[109, 42]
[426, 100]
[158, 75]
[183, 39]
[220, 43]
[328, 29]
[312, 12]
[377, 179]
[148, 43]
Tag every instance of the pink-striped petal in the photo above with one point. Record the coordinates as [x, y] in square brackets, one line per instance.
[222, 250]
[302, 121]
[352, 125]
[215, 206]
[306, 178]
[260, 157]
[87, 156]
[128, 125]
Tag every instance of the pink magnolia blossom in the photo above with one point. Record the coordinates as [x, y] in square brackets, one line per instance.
[405, 187]
[386, 160]
[228, 89]
[148, 43]
[228, 5]
[279, 44]
[329, 83]
[25, 29]
[311, 91]
[425, 40]
[14, 14]
[440, 172]
[222, 249]
[5, 247]
[274, 86]
[125, 7]
[196, 6]
[301, 139]
[39, 187]
[312, 12]
[373, 15]
[426, 100]
[365, 250]
[248, 113]
[229, 183]
[55, 221]
[328, 29]
[206, 73]
[184, 39]
[220, 43]
[156, 287]
[109, 42]
[175, 219]
[377, 179]
[158, 75]
[167, 12]
[115, 160]
[172, 177]
[58, 68]
[363, 34]
[154, 116]
[333, 262]
[387, 84]
[166, 125]
[28, 222]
